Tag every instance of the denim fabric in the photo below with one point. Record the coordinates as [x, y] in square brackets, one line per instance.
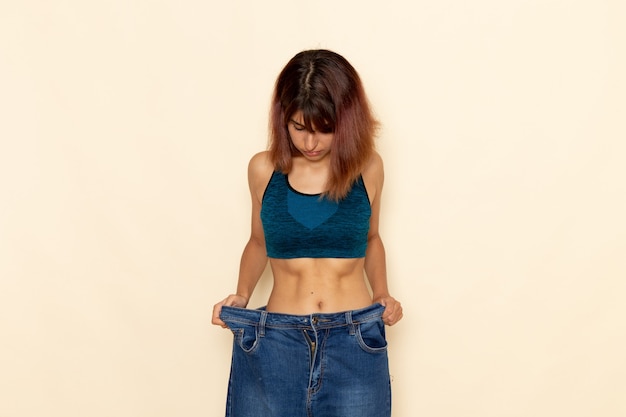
[318, 365]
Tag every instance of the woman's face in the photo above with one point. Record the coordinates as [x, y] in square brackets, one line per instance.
[315, 145]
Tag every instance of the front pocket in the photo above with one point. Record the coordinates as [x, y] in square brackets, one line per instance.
[371, 336]
[246, 337]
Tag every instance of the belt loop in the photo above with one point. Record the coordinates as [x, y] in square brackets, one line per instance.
[350, 323]
[262, 323]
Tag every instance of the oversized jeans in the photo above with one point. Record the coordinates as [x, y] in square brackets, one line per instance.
[317, 365]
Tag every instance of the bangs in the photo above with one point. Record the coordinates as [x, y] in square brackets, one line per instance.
[317, 116]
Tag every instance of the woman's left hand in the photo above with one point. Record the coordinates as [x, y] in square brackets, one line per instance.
[393, 309]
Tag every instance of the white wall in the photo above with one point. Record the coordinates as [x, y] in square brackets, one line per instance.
[125, 131]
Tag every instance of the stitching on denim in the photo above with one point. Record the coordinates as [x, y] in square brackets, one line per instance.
[350, 323]
[234, 318]
[262, 323]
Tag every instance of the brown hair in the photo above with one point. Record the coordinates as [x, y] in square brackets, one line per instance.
[328, 90]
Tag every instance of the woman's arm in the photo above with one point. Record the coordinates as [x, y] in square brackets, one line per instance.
[375, 260]
[254, 256]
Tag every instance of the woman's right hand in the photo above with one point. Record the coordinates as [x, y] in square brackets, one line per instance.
[232, 300]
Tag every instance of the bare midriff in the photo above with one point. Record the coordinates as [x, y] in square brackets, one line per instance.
[318, 285]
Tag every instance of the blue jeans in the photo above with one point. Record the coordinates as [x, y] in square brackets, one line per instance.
[317, 365]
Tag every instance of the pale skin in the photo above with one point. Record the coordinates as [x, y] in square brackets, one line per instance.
[313, 285]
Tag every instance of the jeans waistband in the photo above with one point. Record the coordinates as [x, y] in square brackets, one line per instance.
[315, 320]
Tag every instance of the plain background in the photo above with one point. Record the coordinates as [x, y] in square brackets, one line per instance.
[126, 128]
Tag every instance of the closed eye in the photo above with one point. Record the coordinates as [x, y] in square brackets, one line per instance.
[299, 127]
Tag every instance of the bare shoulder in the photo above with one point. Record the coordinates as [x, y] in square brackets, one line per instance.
[261, 163]
[374, 175]
[260, 170]
[374, 171]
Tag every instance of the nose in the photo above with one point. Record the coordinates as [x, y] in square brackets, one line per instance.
[310, 141]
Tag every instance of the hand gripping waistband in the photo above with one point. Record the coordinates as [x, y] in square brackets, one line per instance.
[264, 319]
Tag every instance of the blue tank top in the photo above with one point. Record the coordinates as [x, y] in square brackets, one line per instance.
[298, 225]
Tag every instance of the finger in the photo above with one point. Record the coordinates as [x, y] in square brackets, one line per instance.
[217, 308]
[389, 310]
[396, 318]
[394, 315]
[218, 322]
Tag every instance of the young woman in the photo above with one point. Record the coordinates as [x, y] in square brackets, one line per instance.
[318, 348]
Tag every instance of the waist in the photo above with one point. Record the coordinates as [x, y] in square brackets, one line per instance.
[303, 286]
[304, 321]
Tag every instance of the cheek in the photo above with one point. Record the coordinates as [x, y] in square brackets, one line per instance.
[295, 136]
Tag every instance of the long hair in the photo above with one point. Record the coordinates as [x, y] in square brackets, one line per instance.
[328, 90]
